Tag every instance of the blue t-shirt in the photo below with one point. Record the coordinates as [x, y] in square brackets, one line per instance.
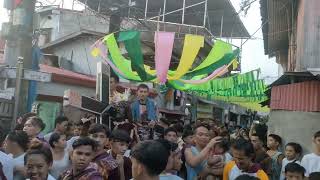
[170, 177]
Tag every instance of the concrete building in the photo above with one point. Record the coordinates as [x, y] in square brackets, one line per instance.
[291, 32]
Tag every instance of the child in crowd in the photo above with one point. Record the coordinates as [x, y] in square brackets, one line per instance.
[311, 162]
[314, 176]
[294, 171]
[274, 142]
[292, 152]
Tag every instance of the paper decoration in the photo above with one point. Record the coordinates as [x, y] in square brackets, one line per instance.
[192, 45]
[163, 52]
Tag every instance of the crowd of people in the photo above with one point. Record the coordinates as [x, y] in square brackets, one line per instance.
[147, 148]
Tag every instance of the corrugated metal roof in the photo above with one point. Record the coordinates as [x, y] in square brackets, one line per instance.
[303, 96]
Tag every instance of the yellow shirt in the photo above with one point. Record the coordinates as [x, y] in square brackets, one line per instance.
[231, 172]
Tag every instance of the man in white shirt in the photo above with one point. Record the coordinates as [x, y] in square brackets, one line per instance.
[7, 165]
[311, 162]
[17, 145]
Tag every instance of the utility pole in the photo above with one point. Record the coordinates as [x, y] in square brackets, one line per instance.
[19, 44]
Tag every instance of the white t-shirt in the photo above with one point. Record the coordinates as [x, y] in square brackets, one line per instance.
[7, 163]
[311, 162]
[169, 177]
[59, 166]
[285, 162]
[18, 162]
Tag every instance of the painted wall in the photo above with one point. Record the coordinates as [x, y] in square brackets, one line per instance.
[79, 53]
[295, 126]
[55, 89]
[65, 22]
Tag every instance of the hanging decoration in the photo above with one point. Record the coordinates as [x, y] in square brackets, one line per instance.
[163, 51]
[202, 80]
[134, 69]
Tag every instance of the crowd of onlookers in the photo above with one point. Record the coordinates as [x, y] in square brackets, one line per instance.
[165, 151]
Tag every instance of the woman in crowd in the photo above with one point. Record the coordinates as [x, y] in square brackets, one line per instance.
[60, 155]
[38, 161]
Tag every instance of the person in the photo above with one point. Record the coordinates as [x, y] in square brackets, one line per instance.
[107, 166]
[174, 161]
[143, 108]
[294, 171]
[77, 127]
[149, 159]
[187, 137]
[261, 156]
[81, 167]
[33, 126]
[236, 133]
[114, 81]
[314, 176]
[38, 161]
[243, 153]
[292, 152]
[159, 128]
[311, 162]
[197, 155]
[179, 128]
[171, 135]
[22, 120]
[83, 127]
[119, 143]
[246, 177]
[222, 149]
[7, 165]
[16, 145]
[61, 160]
[61, 126]
[2, 175]
[274, 142]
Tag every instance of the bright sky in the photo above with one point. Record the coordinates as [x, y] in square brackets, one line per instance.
[252, 53]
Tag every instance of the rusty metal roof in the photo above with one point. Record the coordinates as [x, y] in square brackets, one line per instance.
[303, 96]
[290, 78]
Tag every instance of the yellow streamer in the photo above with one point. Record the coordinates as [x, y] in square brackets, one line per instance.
[191, 47]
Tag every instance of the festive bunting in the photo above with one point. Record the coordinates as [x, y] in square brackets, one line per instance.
[163, 51]
[219, 49]
[132, 43]
[192, 45]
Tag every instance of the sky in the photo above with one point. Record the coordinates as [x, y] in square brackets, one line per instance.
[253, 51]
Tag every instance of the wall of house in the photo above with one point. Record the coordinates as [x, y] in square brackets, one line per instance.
[81, 21]
[79, 53]
[59, 22]
[55, 89]
[308, 35]
[295, 126]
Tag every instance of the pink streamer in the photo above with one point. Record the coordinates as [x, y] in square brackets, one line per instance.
[163, 51]
[220, 71]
